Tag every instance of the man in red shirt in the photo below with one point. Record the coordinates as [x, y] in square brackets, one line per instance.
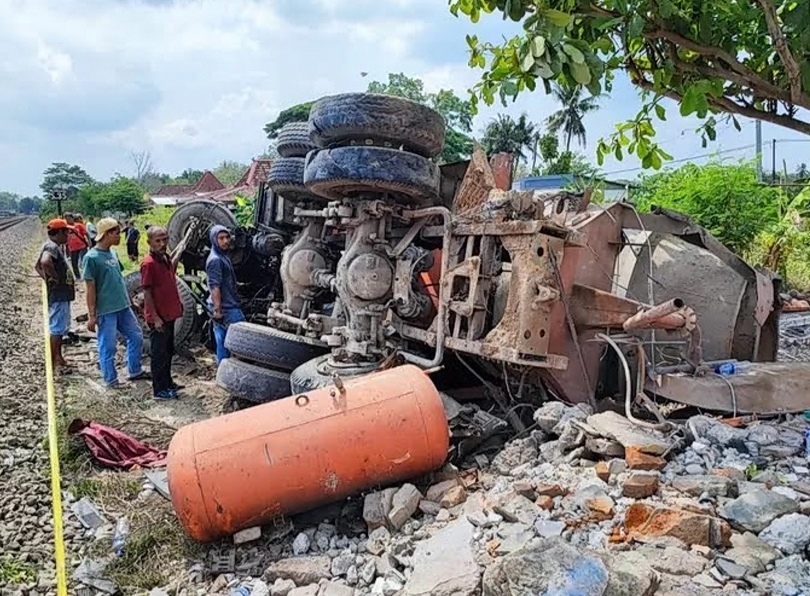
[77, 244]
[162, 307]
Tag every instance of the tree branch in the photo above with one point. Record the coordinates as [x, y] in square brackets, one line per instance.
[750, 77]
[724, 104]
[784, 51]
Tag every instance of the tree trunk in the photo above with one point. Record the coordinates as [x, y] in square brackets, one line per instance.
[568, 141]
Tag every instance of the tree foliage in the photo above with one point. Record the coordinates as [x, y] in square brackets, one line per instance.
[569, 119]
[732, 57]
[229, 172]
[63, 176]
[457, 113]
[296, 113]
[725, 199]
[9, 201]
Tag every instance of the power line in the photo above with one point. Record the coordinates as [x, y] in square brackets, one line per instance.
[704, 155]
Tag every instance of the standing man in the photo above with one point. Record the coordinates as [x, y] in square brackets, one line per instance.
[77, 243]
[162, 307]
[53, 267]
[108, 306]
[133, 236]
[223, 301]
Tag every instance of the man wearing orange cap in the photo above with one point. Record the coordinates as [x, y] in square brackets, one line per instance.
[53, 267]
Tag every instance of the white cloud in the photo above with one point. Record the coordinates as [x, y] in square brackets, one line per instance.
[194, 81]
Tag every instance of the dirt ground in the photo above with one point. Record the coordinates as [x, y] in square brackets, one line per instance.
[157, 553]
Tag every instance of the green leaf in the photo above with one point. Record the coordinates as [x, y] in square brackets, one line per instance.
[655, 160]
[690, 101]
[580, 72]
[603, 44]
[660, 112]
[542, 69]
[509, 88]
[538, 46]
[527, 62]
[577, 56]
[472, 41]
[557, 17]
[636, 25]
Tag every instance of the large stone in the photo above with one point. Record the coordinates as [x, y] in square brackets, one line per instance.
[334, 589]
[714, 486]
[404, 505]
[639, 460]
[592, 499]
[640, 486]
[443, 565]
[282, 587]
[604, 447]
[301, 570]
[789, 533]
[549, 415]
[629, 576]
[643, 520]
[547, 566]
[375, 510]
[311, 590]
[791, 577]
[519, 509]
[755, 510]
[342, 563]
[378, 541]
[437, 491]
[455, 496]
[675, 561]
[751, 552]
[614, 426]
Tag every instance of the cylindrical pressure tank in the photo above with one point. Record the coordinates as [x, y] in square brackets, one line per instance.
[246, 468]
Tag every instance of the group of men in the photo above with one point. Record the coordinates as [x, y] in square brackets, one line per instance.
[109, 307]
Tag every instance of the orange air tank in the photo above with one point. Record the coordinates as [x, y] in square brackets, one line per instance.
[246, 468]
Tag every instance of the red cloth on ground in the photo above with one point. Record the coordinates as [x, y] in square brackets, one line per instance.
[114, 449]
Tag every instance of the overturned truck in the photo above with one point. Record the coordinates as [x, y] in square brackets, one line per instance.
[507, 296]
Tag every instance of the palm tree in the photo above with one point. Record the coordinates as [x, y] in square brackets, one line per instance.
[569, 118]
[504, 134]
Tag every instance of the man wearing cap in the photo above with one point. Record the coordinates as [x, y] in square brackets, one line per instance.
[53, 267]
[109, 308]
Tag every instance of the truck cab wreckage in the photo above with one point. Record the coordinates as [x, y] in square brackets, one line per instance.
[400, 271]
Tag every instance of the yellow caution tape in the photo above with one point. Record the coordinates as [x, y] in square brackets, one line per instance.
[56, 491]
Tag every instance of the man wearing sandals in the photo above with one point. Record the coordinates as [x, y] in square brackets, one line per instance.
[109, 309]
[53, 267]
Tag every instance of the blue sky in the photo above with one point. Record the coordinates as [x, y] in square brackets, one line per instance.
[194, 81]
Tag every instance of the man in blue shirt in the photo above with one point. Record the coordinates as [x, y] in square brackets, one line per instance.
[223, 301]
[109, 308]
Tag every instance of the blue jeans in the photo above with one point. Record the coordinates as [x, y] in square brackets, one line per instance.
[122, 321]
[229, 317]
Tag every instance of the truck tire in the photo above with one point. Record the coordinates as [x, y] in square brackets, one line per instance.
[310, 375]
[346, 172]
[184, 327]
[373, 119]
[268, 346]
[252, 383]
[307, 377]
[293, 140]
[208, 213]
[286, 178]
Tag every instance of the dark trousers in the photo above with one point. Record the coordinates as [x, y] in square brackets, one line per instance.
[75, 258]
[161, 352]
[132, 251]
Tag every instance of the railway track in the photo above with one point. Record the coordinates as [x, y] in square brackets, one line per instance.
[5, 224]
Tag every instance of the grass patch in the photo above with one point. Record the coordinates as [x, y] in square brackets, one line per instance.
[157, 549]
[14, 571]
[86, 487]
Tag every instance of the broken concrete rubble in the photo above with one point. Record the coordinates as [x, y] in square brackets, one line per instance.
[755, 510]
[614, 426]
[637, 530]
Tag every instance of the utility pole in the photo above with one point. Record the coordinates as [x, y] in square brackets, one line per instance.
[57, 196]
[773, 162]
[759, 150]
